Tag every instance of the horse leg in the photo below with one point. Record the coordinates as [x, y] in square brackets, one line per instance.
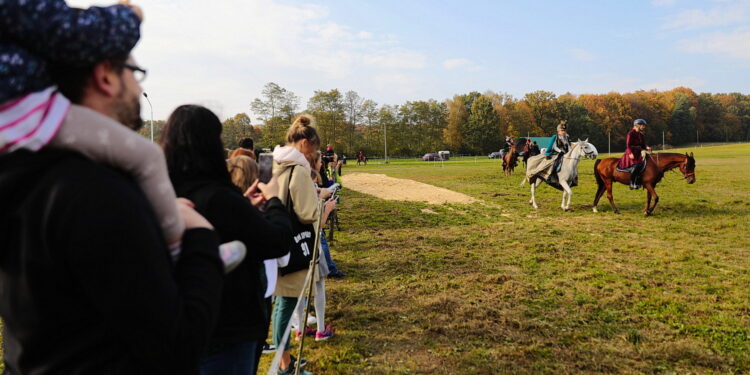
[651, 192]
[611, 198]
[599, 193]
[533, 193]
[567, 192]
[647, 211]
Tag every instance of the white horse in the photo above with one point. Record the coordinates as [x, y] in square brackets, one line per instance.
[568, 171]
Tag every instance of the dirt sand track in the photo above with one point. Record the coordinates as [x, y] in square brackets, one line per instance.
[401, 189]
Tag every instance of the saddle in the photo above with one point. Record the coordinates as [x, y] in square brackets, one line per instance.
[637, 168]
[558, 164]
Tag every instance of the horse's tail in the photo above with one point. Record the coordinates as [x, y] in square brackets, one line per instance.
[599, 180]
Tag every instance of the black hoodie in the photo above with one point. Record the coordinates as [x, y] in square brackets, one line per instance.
[243, 316]
[86, 282]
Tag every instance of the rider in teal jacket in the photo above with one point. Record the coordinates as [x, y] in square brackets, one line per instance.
[559, 144]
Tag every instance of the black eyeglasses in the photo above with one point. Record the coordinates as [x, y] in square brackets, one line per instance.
[138, 72]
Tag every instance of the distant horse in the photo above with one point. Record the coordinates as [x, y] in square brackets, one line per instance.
[361, 158]
[528, 152]
[510, 157]
[510, 160]
[568, 174]
[605, 171]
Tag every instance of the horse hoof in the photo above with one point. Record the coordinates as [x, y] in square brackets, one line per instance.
[594, 209]
[616, 212]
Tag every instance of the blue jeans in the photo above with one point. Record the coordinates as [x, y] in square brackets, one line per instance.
[327, 253]
[236, 360]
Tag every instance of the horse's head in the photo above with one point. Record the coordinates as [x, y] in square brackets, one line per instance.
[587, 150]
[687, 167]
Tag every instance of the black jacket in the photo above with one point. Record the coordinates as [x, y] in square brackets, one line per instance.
[86, 282]
[244, 316]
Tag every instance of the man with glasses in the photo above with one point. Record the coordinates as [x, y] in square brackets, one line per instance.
[86, 282]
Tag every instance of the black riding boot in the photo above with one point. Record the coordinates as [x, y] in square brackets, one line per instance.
[635, 180]
[553, 180]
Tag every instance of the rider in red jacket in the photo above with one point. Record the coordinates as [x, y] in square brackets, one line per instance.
[635, 144]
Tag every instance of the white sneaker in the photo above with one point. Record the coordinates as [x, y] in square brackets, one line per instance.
[311, 320]
[232, 254]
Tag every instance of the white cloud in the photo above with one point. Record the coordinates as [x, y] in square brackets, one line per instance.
[734, 43]
[364, 35]
[226, 50]
[396, 83]
[731, 13]
[395, 60]
[456, 63]
[663, 3]
[582, 54]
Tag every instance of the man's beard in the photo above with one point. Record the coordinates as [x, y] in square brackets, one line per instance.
[128, 111]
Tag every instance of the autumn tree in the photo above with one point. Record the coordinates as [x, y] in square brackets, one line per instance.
[276, 101]
[236, 128]
[482, 131]
[328, 109]
[543, 110]
[457, 116]
[352, 103]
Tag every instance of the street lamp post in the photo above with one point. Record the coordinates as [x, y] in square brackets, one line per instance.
[385, 142]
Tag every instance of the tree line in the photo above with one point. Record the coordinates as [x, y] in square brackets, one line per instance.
[476, 123]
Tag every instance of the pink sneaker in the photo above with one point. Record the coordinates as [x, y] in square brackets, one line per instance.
[325, 335]
[309, 331]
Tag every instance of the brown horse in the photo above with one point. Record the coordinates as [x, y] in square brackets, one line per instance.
[528, 152]
[605, 171]
[510, 160]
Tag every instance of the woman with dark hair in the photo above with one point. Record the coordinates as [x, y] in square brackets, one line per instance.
[195, 158]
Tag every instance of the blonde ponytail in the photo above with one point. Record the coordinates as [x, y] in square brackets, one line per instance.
[302, 129]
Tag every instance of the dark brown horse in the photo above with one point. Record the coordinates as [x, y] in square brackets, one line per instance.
[528, 152]
[510, 159]
[605, 171]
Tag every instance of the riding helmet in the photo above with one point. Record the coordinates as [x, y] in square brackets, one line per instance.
[639, 121]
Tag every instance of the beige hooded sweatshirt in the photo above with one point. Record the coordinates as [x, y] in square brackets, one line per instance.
[305, 200]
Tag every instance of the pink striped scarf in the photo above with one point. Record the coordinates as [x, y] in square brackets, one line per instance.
[30, 122]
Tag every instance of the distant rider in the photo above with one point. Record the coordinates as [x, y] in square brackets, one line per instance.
[507, 146]
[635, 144]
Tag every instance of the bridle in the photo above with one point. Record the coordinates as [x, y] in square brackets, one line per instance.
[687, 175]
[585, 153]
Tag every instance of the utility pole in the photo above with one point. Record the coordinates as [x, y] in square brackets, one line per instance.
[385, 142]
[697, 138]
[609, 143]
[662, 141]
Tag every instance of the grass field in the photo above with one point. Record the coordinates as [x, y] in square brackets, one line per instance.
[501, 288]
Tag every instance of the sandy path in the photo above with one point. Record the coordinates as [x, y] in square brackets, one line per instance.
[401, 189]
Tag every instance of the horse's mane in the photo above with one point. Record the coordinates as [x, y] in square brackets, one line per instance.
[667, 154]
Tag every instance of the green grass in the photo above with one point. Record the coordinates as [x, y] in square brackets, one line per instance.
[499, 287]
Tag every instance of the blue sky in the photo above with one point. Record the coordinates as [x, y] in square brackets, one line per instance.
[221, 53]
